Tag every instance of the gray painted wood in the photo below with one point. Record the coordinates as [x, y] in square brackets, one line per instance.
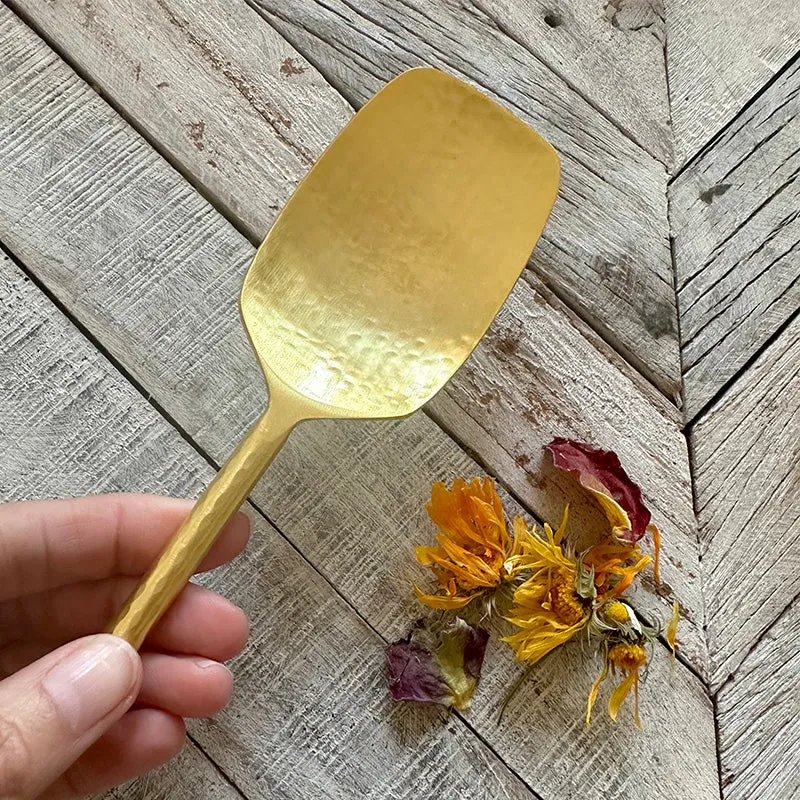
[747, 482]
[311, 714]
[272, 114]
[213, 261]
[719, 56]
[159, 293]
[189, 775]
[605, 251]
[759, 728]
[611, 53]
[736, 226]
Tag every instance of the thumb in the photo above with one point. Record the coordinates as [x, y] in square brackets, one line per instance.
[52, 710]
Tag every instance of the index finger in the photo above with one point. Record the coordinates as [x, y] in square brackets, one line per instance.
[49, 543]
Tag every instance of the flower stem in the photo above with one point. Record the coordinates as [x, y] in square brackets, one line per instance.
[513, 691]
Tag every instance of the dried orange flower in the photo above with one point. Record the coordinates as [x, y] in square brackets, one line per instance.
[475, 555]
[624, 644]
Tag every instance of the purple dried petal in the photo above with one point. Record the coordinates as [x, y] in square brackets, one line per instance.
[414, 674]
[601, 471]
[474, 651]
[437, 663]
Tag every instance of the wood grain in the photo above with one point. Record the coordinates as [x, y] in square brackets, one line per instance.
[311, 707]
[759, 729]
[736, 227]
[189, 775]
[719, 56]
[746, 454]
[270, 106]
[160, 297]
[605, 251]
[613, 57]
[201, 369]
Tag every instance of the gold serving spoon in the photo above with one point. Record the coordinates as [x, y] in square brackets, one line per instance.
[375, 283]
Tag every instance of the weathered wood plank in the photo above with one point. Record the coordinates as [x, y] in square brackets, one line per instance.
[759, 728]
[747, 482]
[736, 227]
[280, 112]
[614, 57]
[151, 243]
[190, 774]
[311, 711]
[605, 251]
[192, 391]
[719, 55]
[591, 255]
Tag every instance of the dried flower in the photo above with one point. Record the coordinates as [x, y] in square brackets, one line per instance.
[555, 592]
[475, 553]
[624, 643]
[614, 567]
[437, 663]
[554, 603]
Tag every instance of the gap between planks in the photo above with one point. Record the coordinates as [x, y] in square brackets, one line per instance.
[709, 145]
[730, 384]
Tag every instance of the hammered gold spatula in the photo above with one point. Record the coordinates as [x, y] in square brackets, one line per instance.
[375, 283]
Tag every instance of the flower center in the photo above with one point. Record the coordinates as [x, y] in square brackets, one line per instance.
[565, 603]
[627, 656]
[616, 612]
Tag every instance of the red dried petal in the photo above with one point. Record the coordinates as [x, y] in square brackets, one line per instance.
[601, 471]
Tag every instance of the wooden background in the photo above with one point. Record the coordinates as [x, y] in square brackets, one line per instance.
[146, 146]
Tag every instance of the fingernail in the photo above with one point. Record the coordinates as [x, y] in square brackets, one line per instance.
[207, 663]
[92, 680]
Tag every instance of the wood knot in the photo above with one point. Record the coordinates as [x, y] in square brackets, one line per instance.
[288, 67]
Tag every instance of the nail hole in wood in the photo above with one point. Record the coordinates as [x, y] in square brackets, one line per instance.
[552, 19]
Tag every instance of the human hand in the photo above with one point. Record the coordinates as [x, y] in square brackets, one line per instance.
[94, 713]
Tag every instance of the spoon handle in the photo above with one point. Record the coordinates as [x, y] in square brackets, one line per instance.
[212, 512]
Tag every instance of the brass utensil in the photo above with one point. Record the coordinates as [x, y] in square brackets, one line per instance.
[375, 283]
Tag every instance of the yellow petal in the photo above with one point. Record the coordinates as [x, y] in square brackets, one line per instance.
[423, 555]
[442, 601]
[656, 550]
[620, 693]
[467, 579]
[593, 693]
[627, 575]
[615, 513]
[672, 628]
[562, 528]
